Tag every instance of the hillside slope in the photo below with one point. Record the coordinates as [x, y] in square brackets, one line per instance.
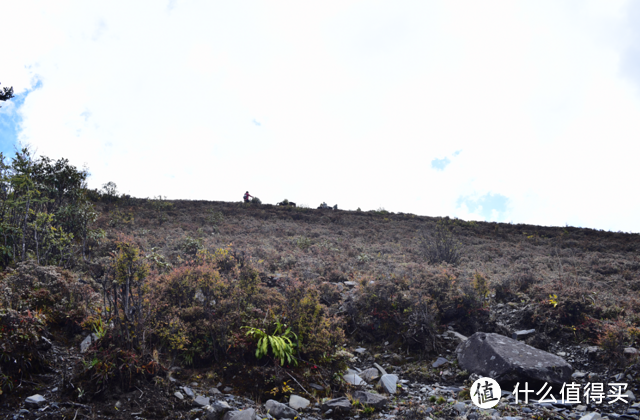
[209, 272]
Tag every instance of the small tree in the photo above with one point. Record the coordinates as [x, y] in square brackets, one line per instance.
[123, 294]
[440, 246]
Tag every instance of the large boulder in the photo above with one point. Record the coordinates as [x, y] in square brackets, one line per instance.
[504, 359]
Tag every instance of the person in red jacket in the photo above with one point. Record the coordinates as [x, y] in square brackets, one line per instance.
[246, 197]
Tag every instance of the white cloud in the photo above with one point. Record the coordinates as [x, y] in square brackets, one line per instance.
[354, 101]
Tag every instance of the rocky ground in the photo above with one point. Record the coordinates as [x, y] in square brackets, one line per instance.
[382, 382]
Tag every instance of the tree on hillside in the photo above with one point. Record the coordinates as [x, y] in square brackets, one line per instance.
[6, 94]
[45, 214]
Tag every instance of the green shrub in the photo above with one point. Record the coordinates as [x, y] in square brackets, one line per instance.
[394, 307]
[191, 246]
[304, 243]
[440, 246]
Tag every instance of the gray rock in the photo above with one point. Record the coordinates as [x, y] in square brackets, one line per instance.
[522, 334]
[370, 374]
[360, 350]
[578, 375]
[247, 414]
[439, 362]
[630, 397]
[460, 407]
[591, 416]
[227, 389]
[581, 408]
[505, 359]
[380, 368]
[86, 343]
[374, 400]
[188, 391]
[35, 401]
[316, 386]
[214, 391]
[353, 379]
[457, 336]
[178, 395]
[279, 410]
[350, 283]
[216, 410]
[389, 383]
[297, 402]
[201, 401]
[341, 405]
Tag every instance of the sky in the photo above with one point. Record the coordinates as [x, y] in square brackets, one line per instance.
[507, 111]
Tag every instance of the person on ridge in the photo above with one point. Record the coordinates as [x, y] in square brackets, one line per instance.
[246, 197]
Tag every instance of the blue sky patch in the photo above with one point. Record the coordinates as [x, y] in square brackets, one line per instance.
[486, 205]
[10, 120]
[440, 164]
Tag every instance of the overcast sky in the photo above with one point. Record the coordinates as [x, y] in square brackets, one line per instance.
[509, 111]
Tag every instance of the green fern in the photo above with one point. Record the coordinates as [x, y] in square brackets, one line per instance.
[280, 342]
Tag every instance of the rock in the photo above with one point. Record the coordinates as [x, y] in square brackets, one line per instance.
[374, 400]
[350, 283]
[44, 343]
[360, 350]
[370, 374]
[201, 401]
[247, 414]
[578, 375]
[214, 391]
[188, 391]
[630, 351]
[460, 407]
[341, 405]
[279, 410]
[389, 383]
[298, 403]
[353, 379]
[86, 343]
[591, 416]
[522, 334]
[316, 386]
[581, 408]
[228, 390]
[456, 336]
[439, 362]
[216, 410]
[380, 368]
[505, 359]
[630, 397]
[178, 395]
[35, 401]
